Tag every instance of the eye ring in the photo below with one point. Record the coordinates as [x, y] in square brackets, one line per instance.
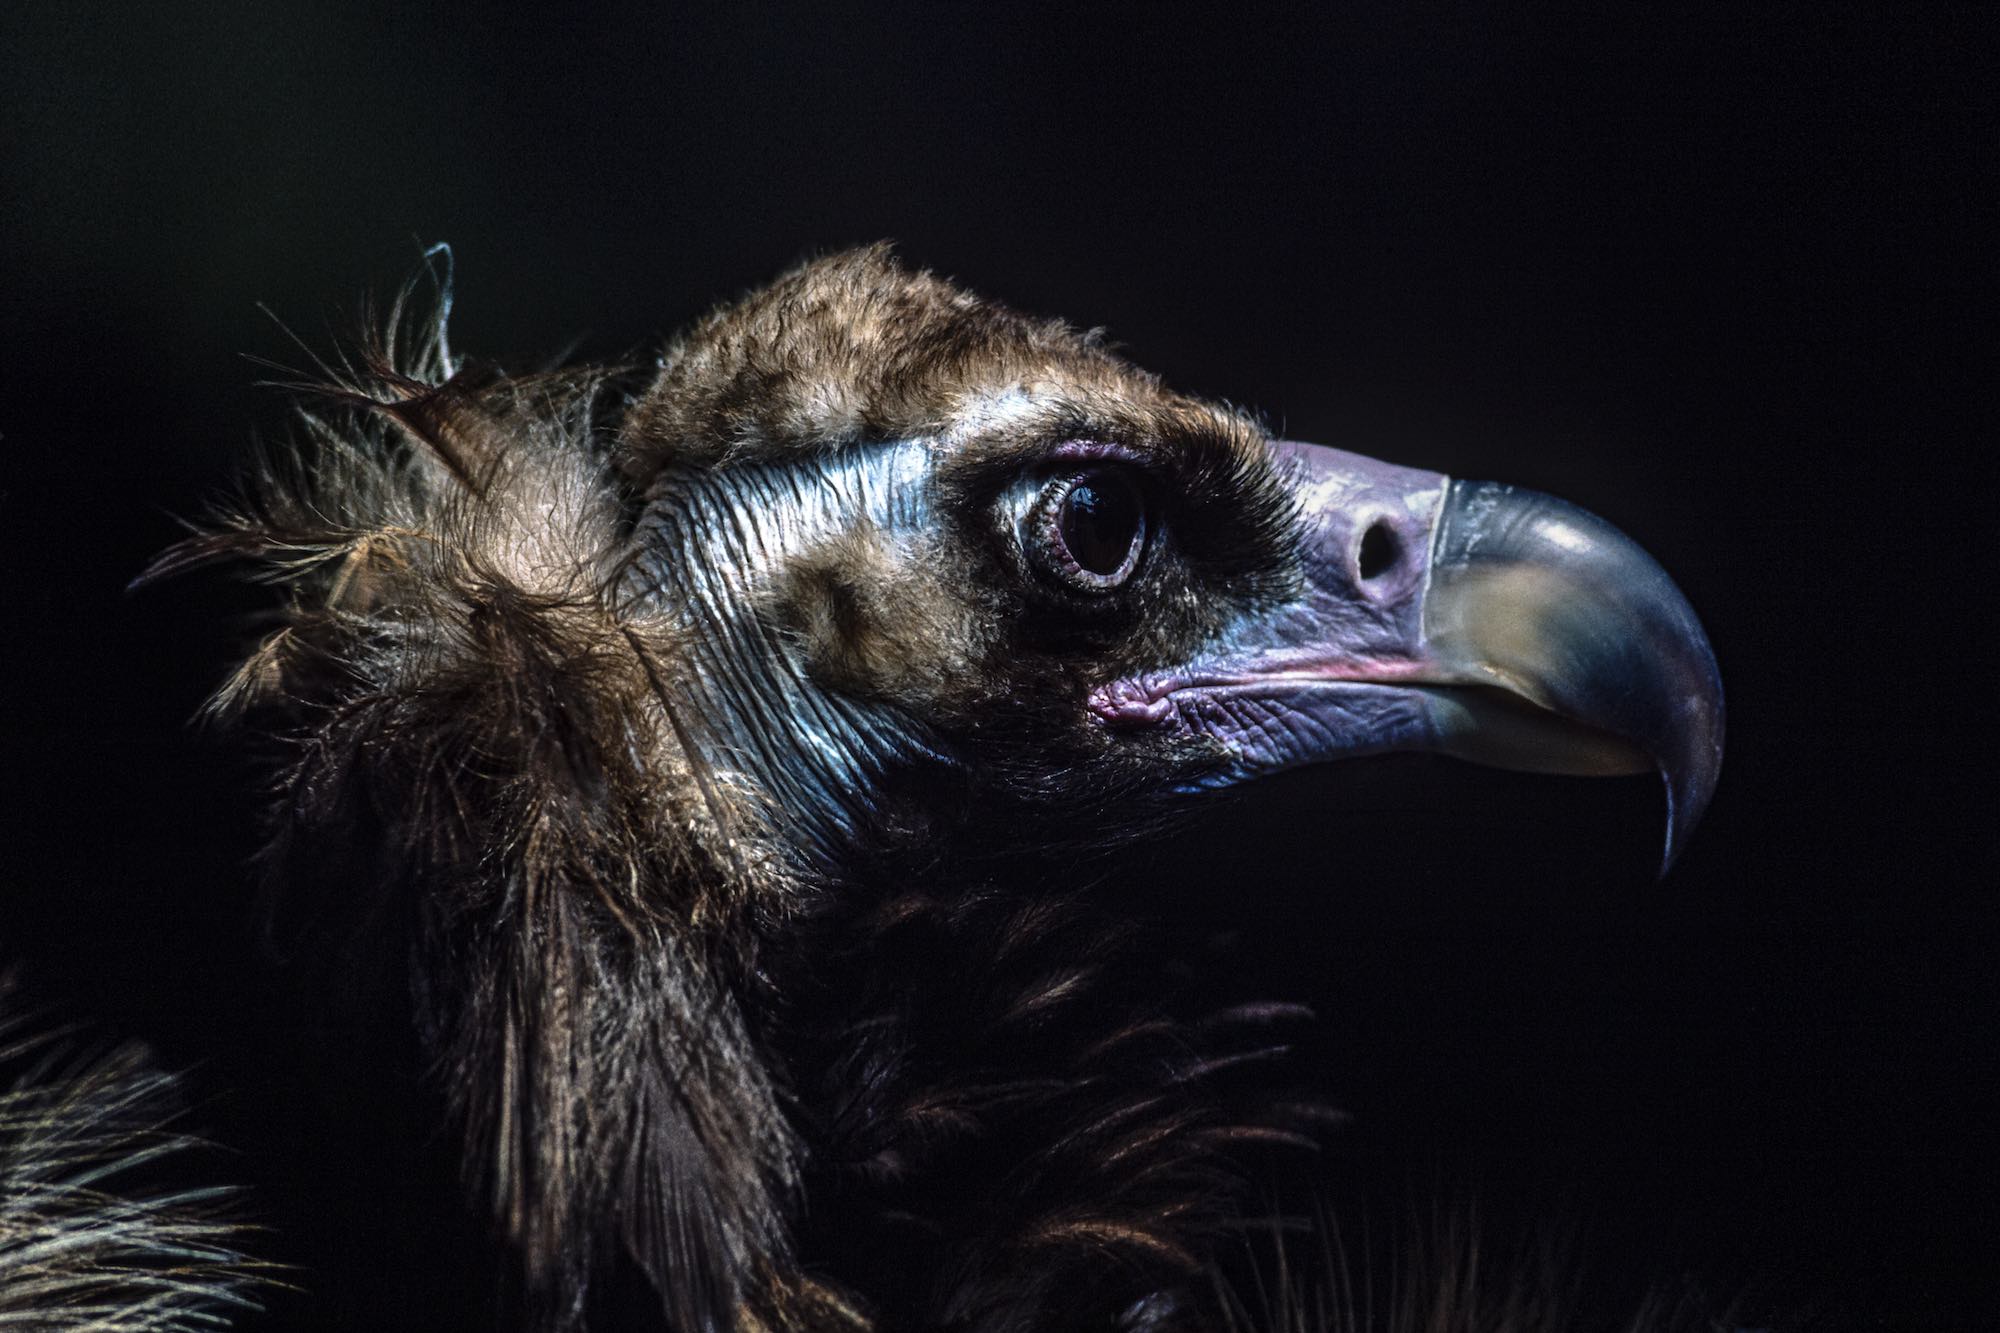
[1088, 529]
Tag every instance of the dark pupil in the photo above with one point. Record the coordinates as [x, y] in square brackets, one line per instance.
[1099, 521]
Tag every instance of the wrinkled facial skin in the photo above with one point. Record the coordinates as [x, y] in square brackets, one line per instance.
[1249, 606]
[892, 605]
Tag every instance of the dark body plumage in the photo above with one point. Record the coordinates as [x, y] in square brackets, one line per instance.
[660, 752]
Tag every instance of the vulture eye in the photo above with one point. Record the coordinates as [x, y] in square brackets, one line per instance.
[1090, 528]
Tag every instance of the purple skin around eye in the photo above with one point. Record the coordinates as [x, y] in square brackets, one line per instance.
[1477, 620]
[1092, 451]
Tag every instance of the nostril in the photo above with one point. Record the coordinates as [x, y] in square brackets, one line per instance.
[1380, 550]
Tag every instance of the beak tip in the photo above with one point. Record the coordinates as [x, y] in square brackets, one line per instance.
[1560, 599]
[1679, 827]
[1691, 777]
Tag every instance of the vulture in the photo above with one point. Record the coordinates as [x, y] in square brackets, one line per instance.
[660, 755]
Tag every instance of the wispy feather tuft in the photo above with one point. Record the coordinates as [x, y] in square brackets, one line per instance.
[89, 1238]
[480, 754]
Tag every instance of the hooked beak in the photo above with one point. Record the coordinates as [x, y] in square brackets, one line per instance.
[1474, 619]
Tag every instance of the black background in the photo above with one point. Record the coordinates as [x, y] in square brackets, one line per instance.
[1710, 274]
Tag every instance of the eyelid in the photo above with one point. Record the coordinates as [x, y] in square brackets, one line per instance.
[1047, 547]
[1081, 453]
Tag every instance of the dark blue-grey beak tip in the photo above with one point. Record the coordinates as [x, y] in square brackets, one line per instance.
[1549, 602]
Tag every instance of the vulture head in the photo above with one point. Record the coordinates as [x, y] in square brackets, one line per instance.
[660, 734]
[913, 532]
